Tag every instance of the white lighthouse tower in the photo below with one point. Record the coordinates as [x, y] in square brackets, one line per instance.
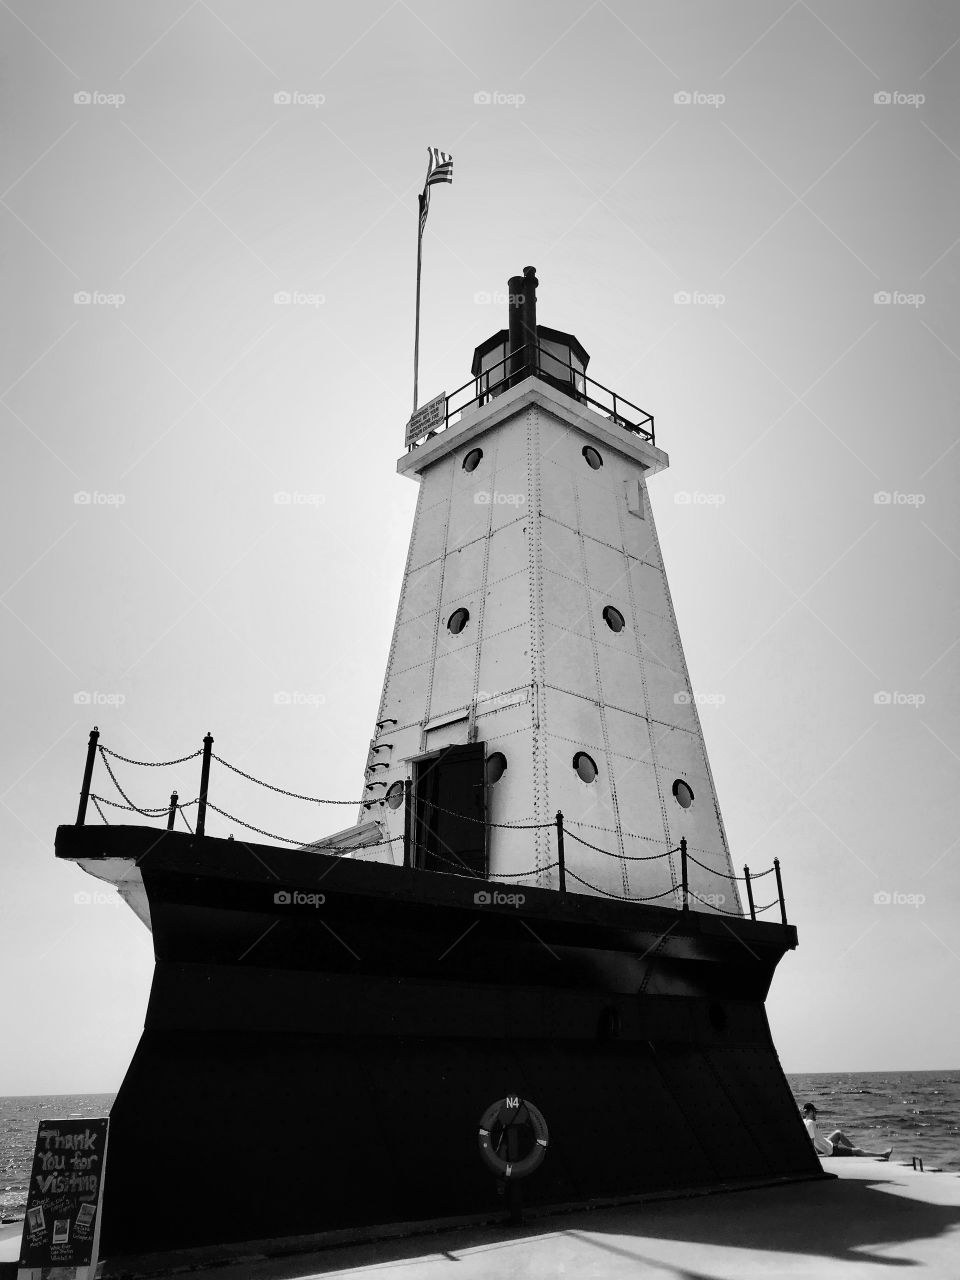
[536, 664]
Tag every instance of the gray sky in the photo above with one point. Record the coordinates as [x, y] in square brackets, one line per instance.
[781, 197]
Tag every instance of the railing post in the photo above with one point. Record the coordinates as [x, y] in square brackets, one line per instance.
[172, 815]
[408, 859]
[87, 775]
[204, 782]
[783, 905]
[683, 874]
[753, 910]
[560, 861]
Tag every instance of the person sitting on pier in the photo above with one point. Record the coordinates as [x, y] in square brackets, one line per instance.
[836, 1143]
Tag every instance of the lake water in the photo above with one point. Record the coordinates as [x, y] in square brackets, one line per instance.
[917, 1112]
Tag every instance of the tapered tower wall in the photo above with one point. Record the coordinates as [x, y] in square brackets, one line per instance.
[534, 544]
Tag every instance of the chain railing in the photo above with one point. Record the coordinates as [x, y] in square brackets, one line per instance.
[411, 847]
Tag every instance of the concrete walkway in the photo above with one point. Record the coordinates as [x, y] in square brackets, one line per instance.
[875, 1217]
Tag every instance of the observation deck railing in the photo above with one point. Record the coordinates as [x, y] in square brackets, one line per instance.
[681, 891]
[538, 362]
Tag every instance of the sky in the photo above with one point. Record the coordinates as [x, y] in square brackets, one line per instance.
[745, 212]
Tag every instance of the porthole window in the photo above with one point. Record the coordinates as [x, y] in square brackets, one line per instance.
[472, 460]
[683, 793]
[593, 459]
[496, 767]
[585, 766]
[394, 796]
[457, 621]
[613, 618]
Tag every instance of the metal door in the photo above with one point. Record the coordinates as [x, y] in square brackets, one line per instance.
[449, 811]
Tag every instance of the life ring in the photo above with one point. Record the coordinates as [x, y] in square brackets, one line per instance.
[506, 1113]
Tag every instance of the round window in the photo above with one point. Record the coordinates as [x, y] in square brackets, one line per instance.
[394, 796]
[585, 766]
[496, 767]
[472, 460]
[457, 621]
[683, 793]
[593, 459]
[613, 618]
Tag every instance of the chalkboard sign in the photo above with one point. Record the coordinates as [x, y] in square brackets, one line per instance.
[60, 1226]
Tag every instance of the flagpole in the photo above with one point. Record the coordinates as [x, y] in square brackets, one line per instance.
[416, 331]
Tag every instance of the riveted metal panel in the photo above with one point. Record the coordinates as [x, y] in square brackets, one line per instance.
[453, 679]
[668, 698]
[560, 548]
[462, 574]
[680, 750]
[508, 552]
[575, 719]
[512, 443]
[629, 734]
[649, 589]
[607, 571]
[638, 798]
[406, 693]
[600, 509]
[505, 660]
[657, 637]
[568, 662]
[429, 533]
[507, 605]
[413, 642]
[469, 520]
[420, 590]
[557, 492]
[620, 676]
[640, 538]
[566, 603]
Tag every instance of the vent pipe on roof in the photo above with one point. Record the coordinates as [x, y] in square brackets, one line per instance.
[522, 313]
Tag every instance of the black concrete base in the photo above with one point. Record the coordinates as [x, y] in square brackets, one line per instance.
[319, 1070]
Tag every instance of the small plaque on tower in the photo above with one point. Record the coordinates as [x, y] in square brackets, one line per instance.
[429, 417]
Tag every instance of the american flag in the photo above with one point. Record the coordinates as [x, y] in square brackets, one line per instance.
[439, 169]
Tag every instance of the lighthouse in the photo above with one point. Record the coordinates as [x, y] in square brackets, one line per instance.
[536, 666]
[527, 959]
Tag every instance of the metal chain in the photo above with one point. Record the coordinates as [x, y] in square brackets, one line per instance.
[147, 813]
[99, 810]
[303, 844]
[519, 875]
[280, 791]
[133, 808]
[629, 857]
[152, 764]
[620, 897]
[727, 875]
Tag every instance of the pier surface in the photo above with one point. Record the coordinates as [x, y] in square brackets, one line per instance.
[874, 1217]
